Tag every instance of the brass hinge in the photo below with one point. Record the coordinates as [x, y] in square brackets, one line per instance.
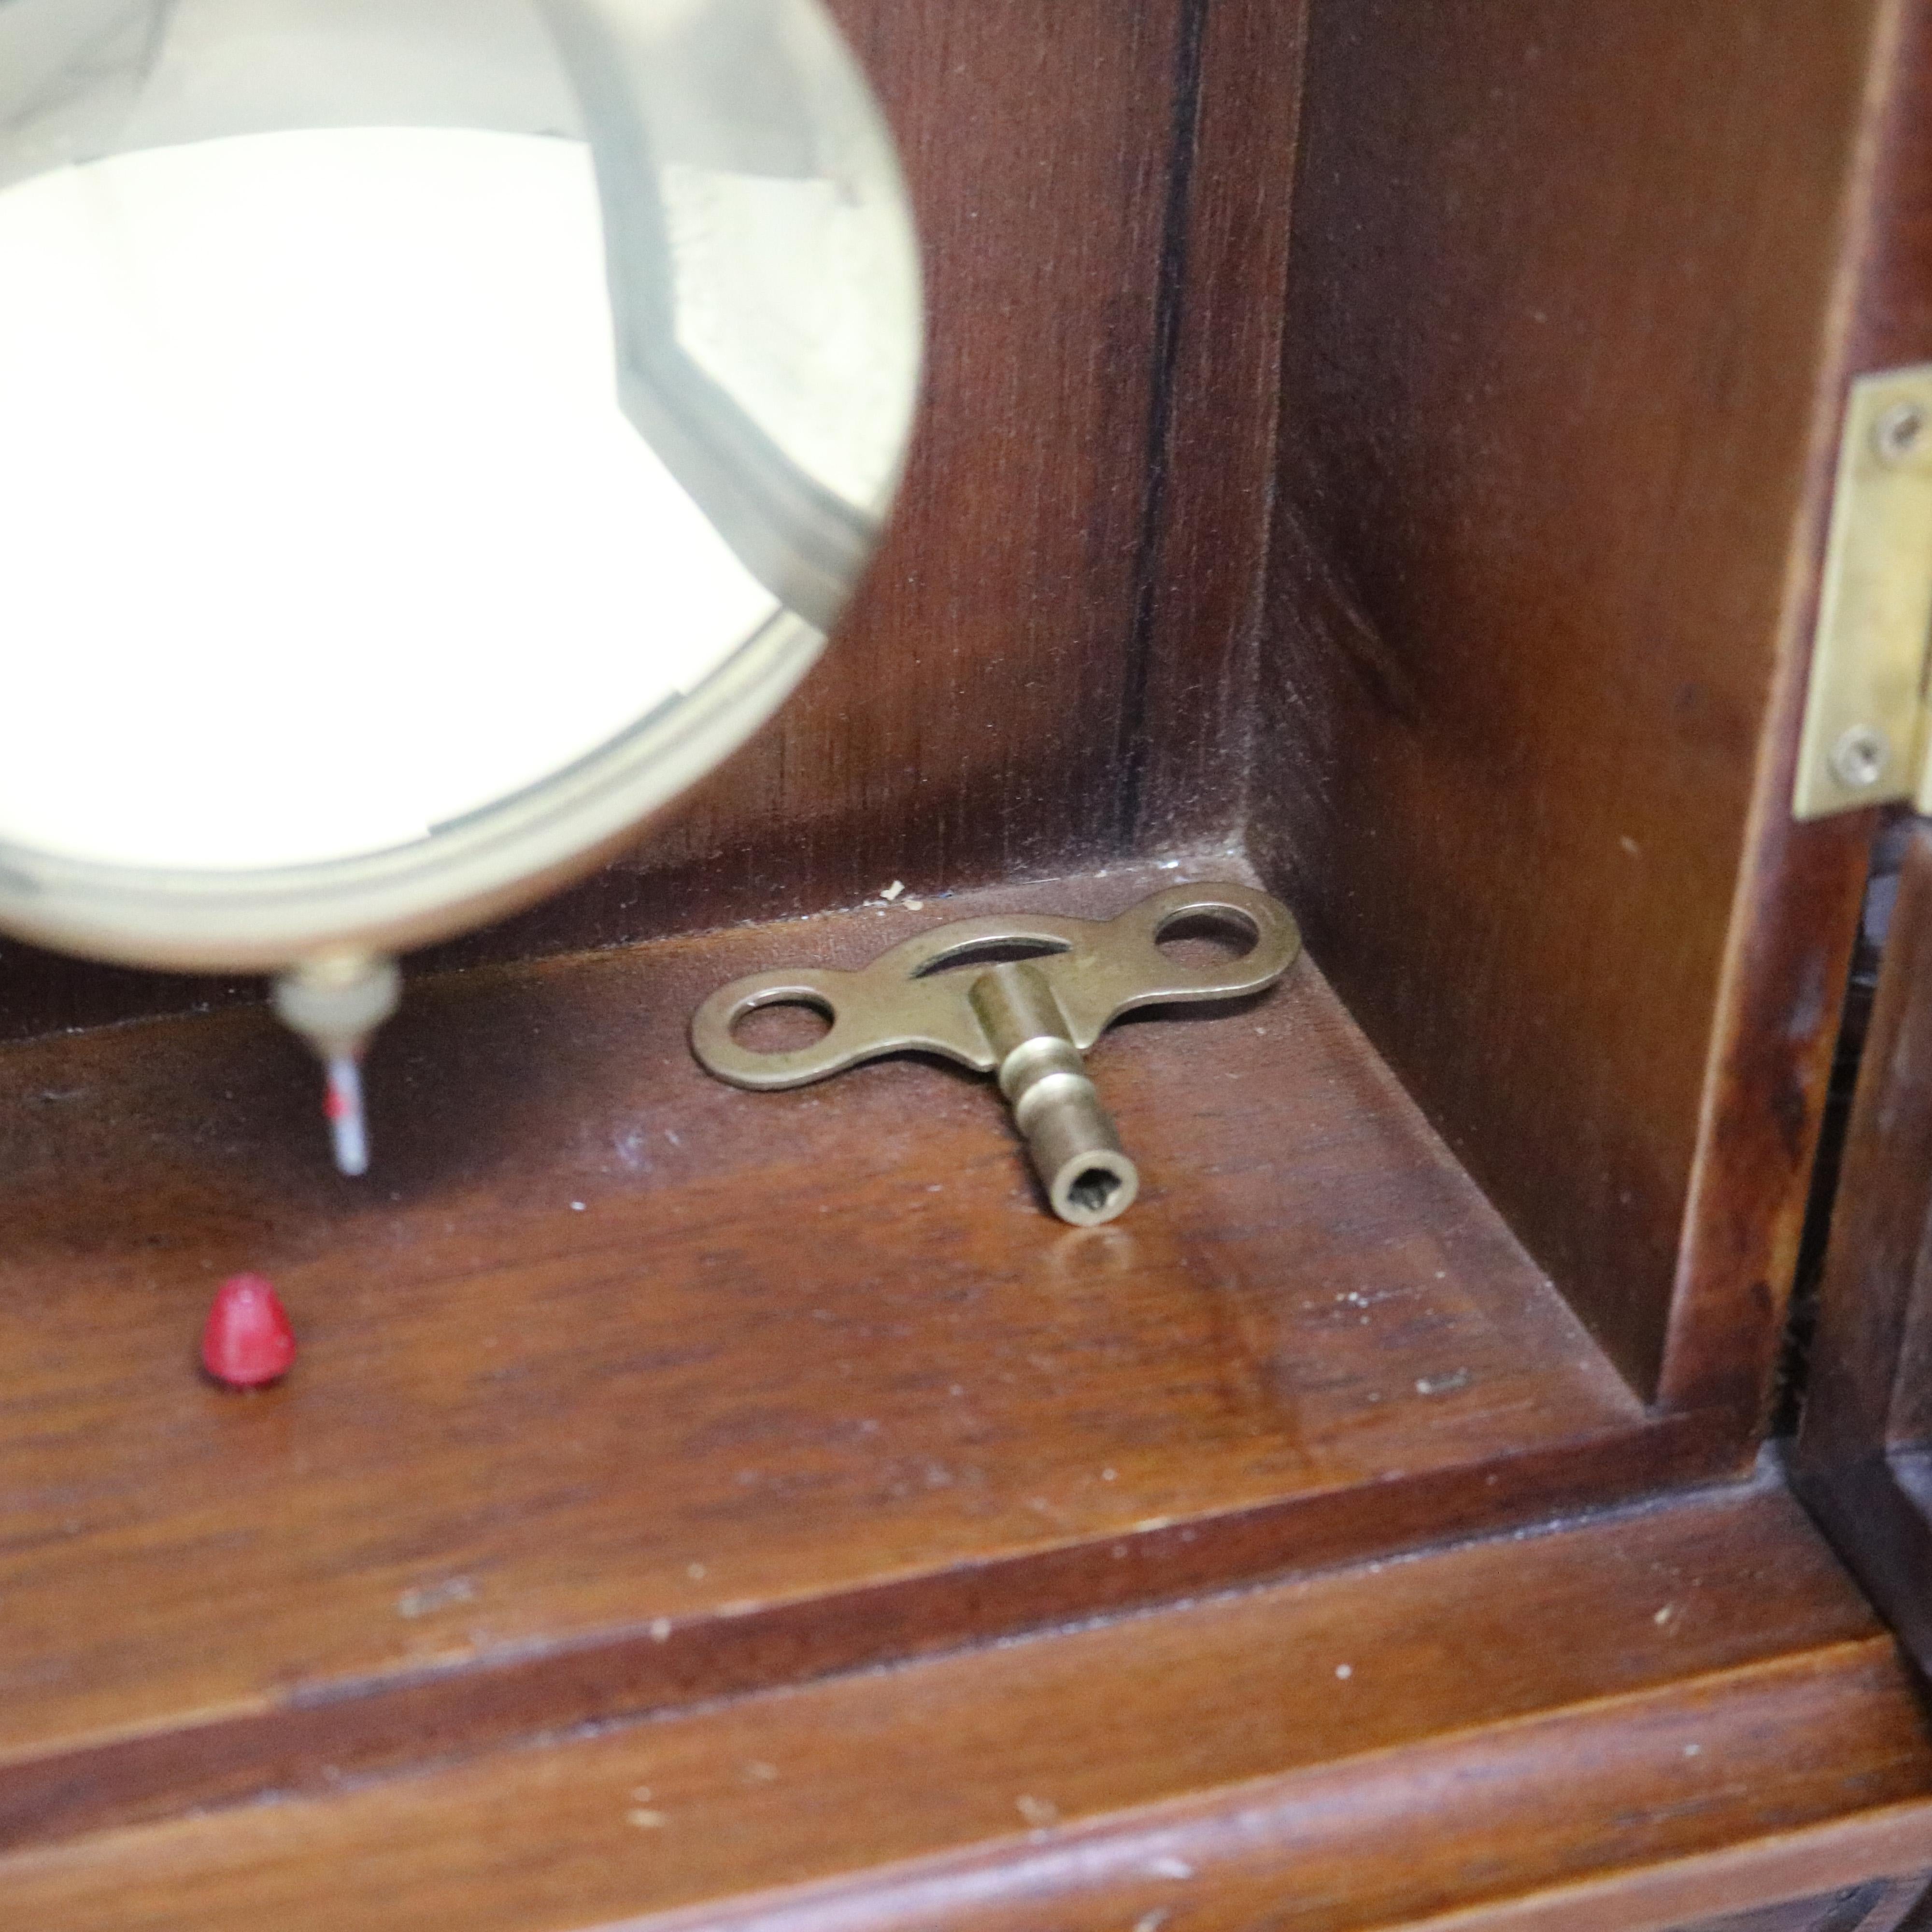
[1865, 740]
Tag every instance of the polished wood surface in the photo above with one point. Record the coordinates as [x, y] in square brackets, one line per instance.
[1185, 752]
[1617, 1723]
[1798, 881]
[808, 1379]
[1892, 322]
[1483, 644]
[1563, 291]
[1865, 1438]
[1559, 894]
[1895, 328]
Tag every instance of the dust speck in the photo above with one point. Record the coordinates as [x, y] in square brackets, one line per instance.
[1039, 1812]
[644, 1820]
[429, 1597]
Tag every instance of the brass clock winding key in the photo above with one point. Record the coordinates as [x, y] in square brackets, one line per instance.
[1026, 1020]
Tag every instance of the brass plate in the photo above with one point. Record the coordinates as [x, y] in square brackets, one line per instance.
[1863, 740]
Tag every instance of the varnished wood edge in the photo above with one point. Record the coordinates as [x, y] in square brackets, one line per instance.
[1890, 1843]
[442, 1715]
[1794, 908]
[1123, 1869]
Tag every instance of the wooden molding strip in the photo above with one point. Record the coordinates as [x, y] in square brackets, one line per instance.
[1659, 1703]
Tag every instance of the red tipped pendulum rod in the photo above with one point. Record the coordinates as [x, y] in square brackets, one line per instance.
[336, 1003]
[343, 1107]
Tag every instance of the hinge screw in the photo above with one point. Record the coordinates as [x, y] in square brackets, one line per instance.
[1899, 434]
[1858, 758]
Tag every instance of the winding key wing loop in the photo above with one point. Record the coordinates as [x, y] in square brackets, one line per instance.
[914, 998]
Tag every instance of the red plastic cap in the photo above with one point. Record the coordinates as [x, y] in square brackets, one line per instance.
[247, 1341]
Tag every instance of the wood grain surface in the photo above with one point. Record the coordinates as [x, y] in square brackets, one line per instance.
[1568, 283]
[698, 1509]
[1537, 1722]
[1798, 882]
[808, 1378]
[1895, 328]
[1186, 740]
[1525, 694]
[1892, 320]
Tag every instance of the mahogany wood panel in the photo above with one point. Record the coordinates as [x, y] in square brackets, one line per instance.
[1865, 1403]
[1892, 322]
[1895, 328]
[1187, 743]
[1797, 880]
[1050, 658]
[1540, 1725]
[809, 1380]
[1566, 315]
[968, 716]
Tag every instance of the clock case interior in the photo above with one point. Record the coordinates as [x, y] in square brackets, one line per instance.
[1379, 451]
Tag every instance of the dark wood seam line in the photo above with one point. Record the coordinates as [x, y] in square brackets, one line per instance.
[1170, 300]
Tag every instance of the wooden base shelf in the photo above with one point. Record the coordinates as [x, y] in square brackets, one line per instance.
[623, 1393]
[1638, 1719]
[807, 1381]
